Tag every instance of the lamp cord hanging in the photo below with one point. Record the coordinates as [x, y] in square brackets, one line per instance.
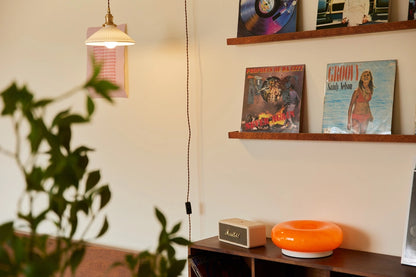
[188, 203]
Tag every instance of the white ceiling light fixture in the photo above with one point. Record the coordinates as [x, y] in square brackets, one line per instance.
[109, 35]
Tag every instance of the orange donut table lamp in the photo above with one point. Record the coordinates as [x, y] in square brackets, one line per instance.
[307, 238]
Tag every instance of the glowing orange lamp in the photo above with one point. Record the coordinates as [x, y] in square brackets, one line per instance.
[307, 238]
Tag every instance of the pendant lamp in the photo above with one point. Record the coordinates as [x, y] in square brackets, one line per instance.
[109, 35]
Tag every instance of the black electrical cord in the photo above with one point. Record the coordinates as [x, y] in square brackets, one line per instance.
[188, 203]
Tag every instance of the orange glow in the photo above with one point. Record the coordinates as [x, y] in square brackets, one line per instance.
[307, 235]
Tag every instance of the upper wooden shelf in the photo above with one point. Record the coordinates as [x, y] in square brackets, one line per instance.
[364, 29]
[323, 137]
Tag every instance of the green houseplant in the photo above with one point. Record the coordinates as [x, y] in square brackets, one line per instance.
[162, 262]
[56, 174]
[59, 189]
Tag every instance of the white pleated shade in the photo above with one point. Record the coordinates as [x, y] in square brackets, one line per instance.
[109, 36]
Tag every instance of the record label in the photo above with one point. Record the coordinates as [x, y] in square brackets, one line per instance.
[266, 8]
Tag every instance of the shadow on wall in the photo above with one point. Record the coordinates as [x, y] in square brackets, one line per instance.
[354, 238]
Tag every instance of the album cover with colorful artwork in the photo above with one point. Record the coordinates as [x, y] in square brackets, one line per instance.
[347, 13]
[272, 99]
[266, 17]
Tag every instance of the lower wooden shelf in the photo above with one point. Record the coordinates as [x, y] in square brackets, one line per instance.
[323, 137]
[269, 261]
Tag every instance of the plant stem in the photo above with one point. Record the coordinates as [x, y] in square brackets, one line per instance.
[84, 233]
[16, 126]
[68, 93]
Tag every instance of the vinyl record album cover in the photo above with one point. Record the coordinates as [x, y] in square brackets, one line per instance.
[359, 97]
[409, 245]
[272, 99]
[266, 17]
[412, 10]
[346, 13]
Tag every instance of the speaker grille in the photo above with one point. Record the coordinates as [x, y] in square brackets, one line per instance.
[233, 234]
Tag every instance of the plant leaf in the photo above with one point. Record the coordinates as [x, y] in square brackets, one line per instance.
[163, 265]
[145, 269]
[73, 219]
[104, 228]
[10, 98]
[160, 217]
[59, 116]
[35, 136]
[83, 206]
[101, 87]
[6, 263]
[64, 136]
[6, 231]
[13, 96]
[171, 251]
[163, 241]
[175, 228]
[90, 106]
[181, 241]
[34, 179]
[92, 180]
[72, 118]
[176, 268]
[131, 261]
[76, 258]
[105, 195]
[19, 249]
[57, 204]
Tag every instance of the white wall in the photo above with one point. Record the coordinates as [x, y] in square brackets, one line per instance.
[364, 187]
[141, 141]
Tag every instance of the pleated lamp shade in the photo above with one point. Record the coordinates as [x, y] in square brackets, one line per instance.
[109, 35]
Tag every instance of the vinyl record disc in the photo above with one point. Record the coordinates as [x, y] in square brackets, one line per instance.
[265, 17]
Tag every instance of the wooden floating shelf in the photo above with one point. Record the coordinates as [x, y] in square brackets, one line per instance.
[323, 137]
[343, 31]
